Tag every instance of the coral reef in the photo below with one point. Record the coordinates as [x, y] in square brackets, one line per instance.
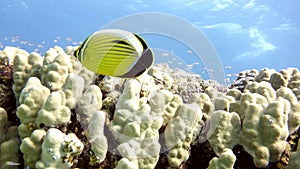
[31, 101]
[226, 160]
[7, 99]
[54, 113]
[179, 132]
[55, 69]
[224, 130]
[31, 147]
[59, 150]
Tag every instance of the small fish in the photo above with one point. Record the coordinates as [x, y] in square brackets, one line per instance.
[189, 51]
[23, 42]
[69, 39]
[115, 52]
[11, 163]
[40, 46]
[165, 54]
[75, 43]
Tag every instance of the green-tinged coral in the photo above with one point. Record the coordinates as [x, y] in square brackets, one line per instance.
[9, 150]
[204, 102]
[246, 99]
[294, 82]
[31, 147]
[3, 123]
[223, 102]
[31, 100]
[25, 66]
[211, 92]
[59, 150]
[12, 52]
[180, 131]
[143, 151]
[164, 103]
[133, 122]
[86, 74]
[265, 89]
[54, 111]
[278, 80]
[294, 114]
[225, 160]
[171, 108]
[73, 88]
[150, 121]
[224, 130]
[296, 91]
[88, 104]
[95, 134]
[125, 163]
[235, 93]
[163, 80]
[251, 87]
[264, 131]
[265, 75]
[56, 66]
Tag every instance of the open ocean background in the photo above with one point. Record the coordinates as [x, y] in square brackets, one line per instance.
[247, 34]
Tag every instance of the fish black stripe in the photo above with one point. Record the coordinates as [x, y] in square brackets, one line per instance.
[144, 62]
[79, 51]
[145, 46]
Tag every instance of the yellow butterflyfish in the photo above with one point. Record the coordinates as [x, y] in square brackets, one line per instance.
[115, 52]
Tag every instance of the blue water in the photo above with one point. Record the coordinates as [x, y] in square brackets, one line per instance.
[246, 34]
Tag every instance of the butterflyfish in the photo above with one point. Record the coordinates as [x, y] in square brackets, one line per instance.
[115, 52]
